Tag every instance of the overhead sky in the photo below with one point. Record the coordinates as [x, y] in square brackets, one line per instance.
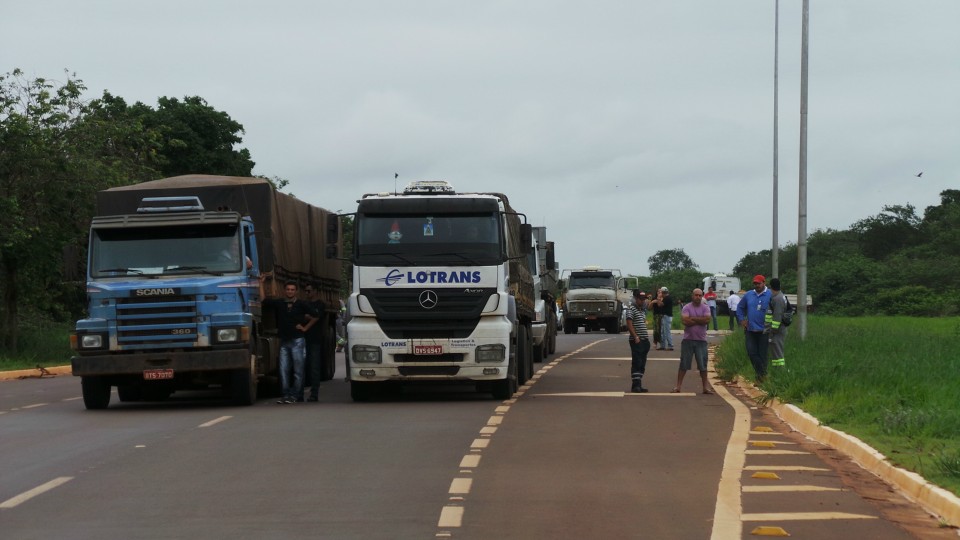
[625, 127]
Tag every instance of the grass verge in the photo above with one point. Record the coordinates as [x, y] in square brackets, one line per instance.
[47, 347]
[890, 381]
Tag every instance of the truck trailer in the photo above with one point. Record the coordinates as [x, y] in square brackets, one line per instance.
[544, 272]
[442, 291]
[173, 286]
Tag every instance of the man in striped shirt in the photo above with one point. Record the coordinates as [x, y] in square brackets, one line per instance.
[639, 341]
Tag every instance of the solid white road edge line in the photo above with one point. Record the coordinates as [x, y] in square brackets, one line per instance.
[727, 515]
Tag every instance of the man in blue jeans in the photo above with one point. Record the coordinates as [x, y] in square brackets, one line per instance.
[752, 312]
[664, 303]
[293, 317]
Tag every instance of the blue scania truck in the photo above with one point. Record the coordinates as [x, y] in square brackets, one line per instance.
[173, 292]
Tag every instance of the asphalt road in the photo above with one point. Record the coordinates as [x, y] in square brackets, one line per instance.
[572, 456]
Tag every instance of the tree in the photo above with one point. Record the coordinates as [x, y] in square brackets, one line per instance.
[56, 151]
[669, 260]
[896, 227]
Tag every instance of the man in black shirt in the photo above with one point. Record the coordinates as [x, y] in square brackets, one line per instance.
[293, 318]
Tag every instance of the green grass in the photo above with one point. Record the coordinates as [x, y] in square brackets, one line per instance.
[47, 347]
[890, 381]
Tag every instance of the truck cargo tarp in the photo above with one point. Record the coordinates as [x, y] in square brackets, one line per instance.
[291, 234]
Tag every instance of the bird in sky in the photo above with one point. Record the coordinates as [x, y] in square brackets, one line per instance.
[919, 174]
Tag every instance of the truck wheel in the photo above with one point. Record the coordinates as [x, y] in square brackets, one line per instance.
[243, 385]
[362, 391]
[96, 392]
[524, 354]
[329, 366]
[553, 343]
[613, 326]
[538, 352]
[505, 388]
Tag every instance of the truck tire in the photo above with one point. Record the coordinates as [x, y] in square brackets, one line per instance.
[524, 355]
[329, 366]
[538, 352]
[570, 327]
[613, 326]
[553, 340]
[96, 392]
[363, 391]
[243, 385]
[506, 387]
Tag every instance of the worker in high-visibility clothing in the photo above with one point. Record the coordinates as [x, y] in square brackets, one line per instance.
[773, 324]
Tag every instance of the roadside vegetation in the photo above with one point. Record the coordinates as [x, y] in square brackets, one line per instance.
[889, 381]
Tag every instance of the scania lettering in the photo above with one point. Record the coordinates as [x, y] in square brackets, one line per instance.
[412, 318]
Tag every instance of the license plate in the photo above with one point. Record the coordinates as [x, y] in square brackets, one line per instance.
[427, 349]
[157, 374]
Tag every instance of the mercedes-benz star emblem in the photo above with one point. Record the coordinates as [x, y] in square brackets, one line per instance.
[428, 299]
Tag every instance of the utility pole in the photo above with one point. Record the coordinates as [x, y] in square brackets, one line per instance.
[802, 219]
[775, 251]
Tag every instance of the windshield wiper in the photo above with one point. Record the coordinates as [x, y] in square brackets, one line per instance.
[201, 269]
[124, 270]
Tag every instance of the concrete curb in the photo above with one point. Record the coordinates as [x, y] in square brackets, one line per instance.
[35, 373]
[933, 498]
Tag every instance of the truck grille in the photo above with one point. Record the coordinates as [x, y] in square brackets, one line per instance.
[588, 307]
[439, 358]
[401, 316]
[156, 323]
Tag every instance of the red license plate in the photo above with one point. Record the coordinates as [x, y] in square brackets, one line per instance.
[157, 374]
[427, 349]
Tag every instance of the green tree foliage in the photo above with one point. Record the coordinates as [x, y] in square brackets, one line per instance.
[670, 260]
[56, 151]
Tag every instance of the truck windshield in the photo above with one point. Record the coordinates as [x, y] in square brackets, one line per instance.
[592, 281]
[156, 251]
[439, 239]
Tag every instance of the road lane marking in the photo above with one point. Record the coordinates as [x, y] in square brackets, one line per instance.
[39, 490]
[775, 453]
[502, 409]
[480, 443]
[460, 486]
[215, 421]
[488, 430]
[768, 489]
[804, 516]
[470, 460]
[494, 420]
[783, 468]
[727, 514]
[617, 394]
[451, 516]
[35, 405]
[72, 398]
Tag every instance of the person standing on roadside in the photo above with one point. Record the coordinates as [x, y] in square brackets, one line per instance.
[695, 317]
[664, 305]
[773, 323]
[639, 342]
[732, 300]
[752, 313]
[292, 316]
[711, 298]
[316, 353]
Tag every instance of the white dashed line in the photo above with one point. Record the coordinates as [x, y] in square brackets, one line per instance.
[451, 516]
[480, 443]
[39, 490]
[35, 405]
[215, 421]
[470, 461]
[460, 486]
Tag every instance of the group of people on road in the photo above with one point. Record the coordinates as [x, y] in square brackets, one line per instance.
[760, 312]
[301, 339]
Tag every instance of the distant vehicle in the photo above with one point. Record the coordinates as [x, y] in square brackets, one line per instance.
[560, 318]
[722, 285]
[592, 300]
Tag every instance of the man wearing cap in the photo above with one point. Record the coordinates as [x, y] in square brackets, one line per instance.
[752, 313]
[639, 341]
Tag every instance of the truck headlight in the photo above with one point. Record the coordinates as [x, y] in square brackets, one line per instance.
[365, 354]
[490, 353]
[227, 335]
[91, 341]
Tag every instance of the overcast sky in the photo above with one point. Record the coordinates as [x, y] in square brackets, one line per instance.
[625, 127]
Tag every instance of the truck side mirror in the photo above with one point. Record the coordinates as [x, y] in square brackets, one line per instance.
[333, 225]
[526, 239]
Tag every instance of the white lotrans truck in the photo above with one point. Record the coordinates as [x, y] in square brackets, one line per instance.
[441, 291]
[591, 300]
[544, 270]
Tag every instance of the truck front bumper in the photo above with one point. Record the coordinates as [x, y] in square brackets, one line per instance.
[182, 361]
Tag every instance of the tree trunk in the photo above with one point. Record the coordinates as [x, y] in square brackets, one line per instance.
[10, 304]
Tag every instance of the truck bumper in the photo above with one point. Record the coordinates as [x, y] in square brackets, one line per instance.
[185, 361]
[398, 361]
